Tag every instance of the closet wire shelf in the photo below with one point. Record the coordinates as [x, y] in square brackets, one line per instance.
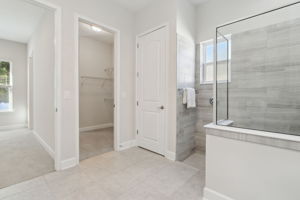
[103, 80]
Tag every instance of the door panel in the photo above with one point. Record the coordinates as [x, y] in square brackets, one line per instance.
[151, 90]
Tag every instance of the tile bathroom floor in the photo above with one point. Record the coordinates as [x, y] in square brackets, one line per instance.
[133, 174]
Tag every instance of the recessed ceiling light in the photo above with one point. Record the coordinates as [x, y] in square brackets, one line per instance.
[96, 29]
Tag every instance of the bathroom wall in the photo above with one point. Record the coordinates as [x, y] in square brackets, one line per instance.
[265, 85]
[186, 118]
[96, 96]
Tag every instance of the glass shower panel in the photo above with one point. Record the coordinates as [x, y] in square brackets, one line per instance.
[223, 66]
[260, 88]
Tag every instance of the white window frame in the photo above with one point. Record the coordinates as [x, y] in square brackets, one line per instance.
[9, 87]
[203, 63]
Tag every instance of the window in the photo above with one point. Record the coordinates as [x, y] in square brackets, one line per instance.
[207, 61]
[5, 86]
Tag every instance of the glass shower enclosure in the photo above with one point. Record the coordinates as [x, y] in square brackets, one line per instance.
[258, 72]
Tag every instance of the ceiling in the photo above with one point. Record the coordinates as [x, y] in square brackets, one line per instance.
[135, 5]
[197, 2]
[85, 30]
[18, 20]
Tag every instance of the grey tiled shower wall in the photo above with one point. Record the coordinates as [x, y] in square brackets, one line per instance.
[204, 109]
[190, 122]
[264, 92]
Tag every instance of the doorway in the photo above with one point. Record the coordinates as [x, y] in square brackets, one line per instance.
[98, 68]
[28, 128]
[152, 89]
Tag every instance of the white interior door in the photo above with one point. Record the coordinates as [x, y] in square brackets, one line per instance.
[151, 90]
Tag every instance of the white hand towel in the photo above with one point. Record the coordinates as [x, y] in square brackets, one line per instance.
[189, 97]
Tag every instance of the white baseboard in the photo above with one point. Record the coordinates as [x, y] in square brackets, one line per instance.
[170, 155]
[44, 144]
[12, 127]
[68, 163]
[210, 194]
[127, 145]
[96, 127]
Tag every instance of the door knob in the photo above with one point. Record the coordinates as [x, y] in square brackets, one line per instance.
[161, 107]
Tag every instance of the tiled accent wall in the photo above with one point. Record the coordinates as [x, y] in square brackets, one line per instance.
[186, 129]
[264, 92]
[204, 109]
[186, 118]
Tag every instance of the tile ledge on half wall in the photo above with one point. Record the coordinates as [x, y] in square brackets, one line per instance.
[284, 141]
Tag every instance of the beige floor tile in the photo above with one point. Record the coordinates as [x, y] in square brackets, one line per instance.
[62, 184]
[196, 160]
[42, 193]
[90, 192]
[192, 189]
[27, 186]
[110, 186]
[143, 192]
[137, 154]
[115, 164]
[171, 177]
[134, 174]
[96, 174]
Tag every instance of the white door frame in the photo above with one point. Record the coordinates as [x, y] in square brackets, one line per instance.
[57, 77]
[30, 94]
[117, 84]
[167, 26]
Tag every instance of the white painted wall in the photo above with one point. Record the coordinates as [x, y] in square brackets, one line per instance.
[186, 20]
[186, 33]
[42, 46]
[113, 15]
[243, 170]
[216, 12]
[95, 105]
[154, 15]
[16, 53]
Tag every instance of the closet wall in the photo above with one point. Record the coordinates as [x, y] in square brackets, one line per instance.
[96, 95]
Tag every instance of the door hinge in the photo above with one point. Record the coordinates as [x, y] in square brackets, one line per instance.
[137, 74]
[137, 132]
[56, 109]
[137, 45]
[137, 103]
